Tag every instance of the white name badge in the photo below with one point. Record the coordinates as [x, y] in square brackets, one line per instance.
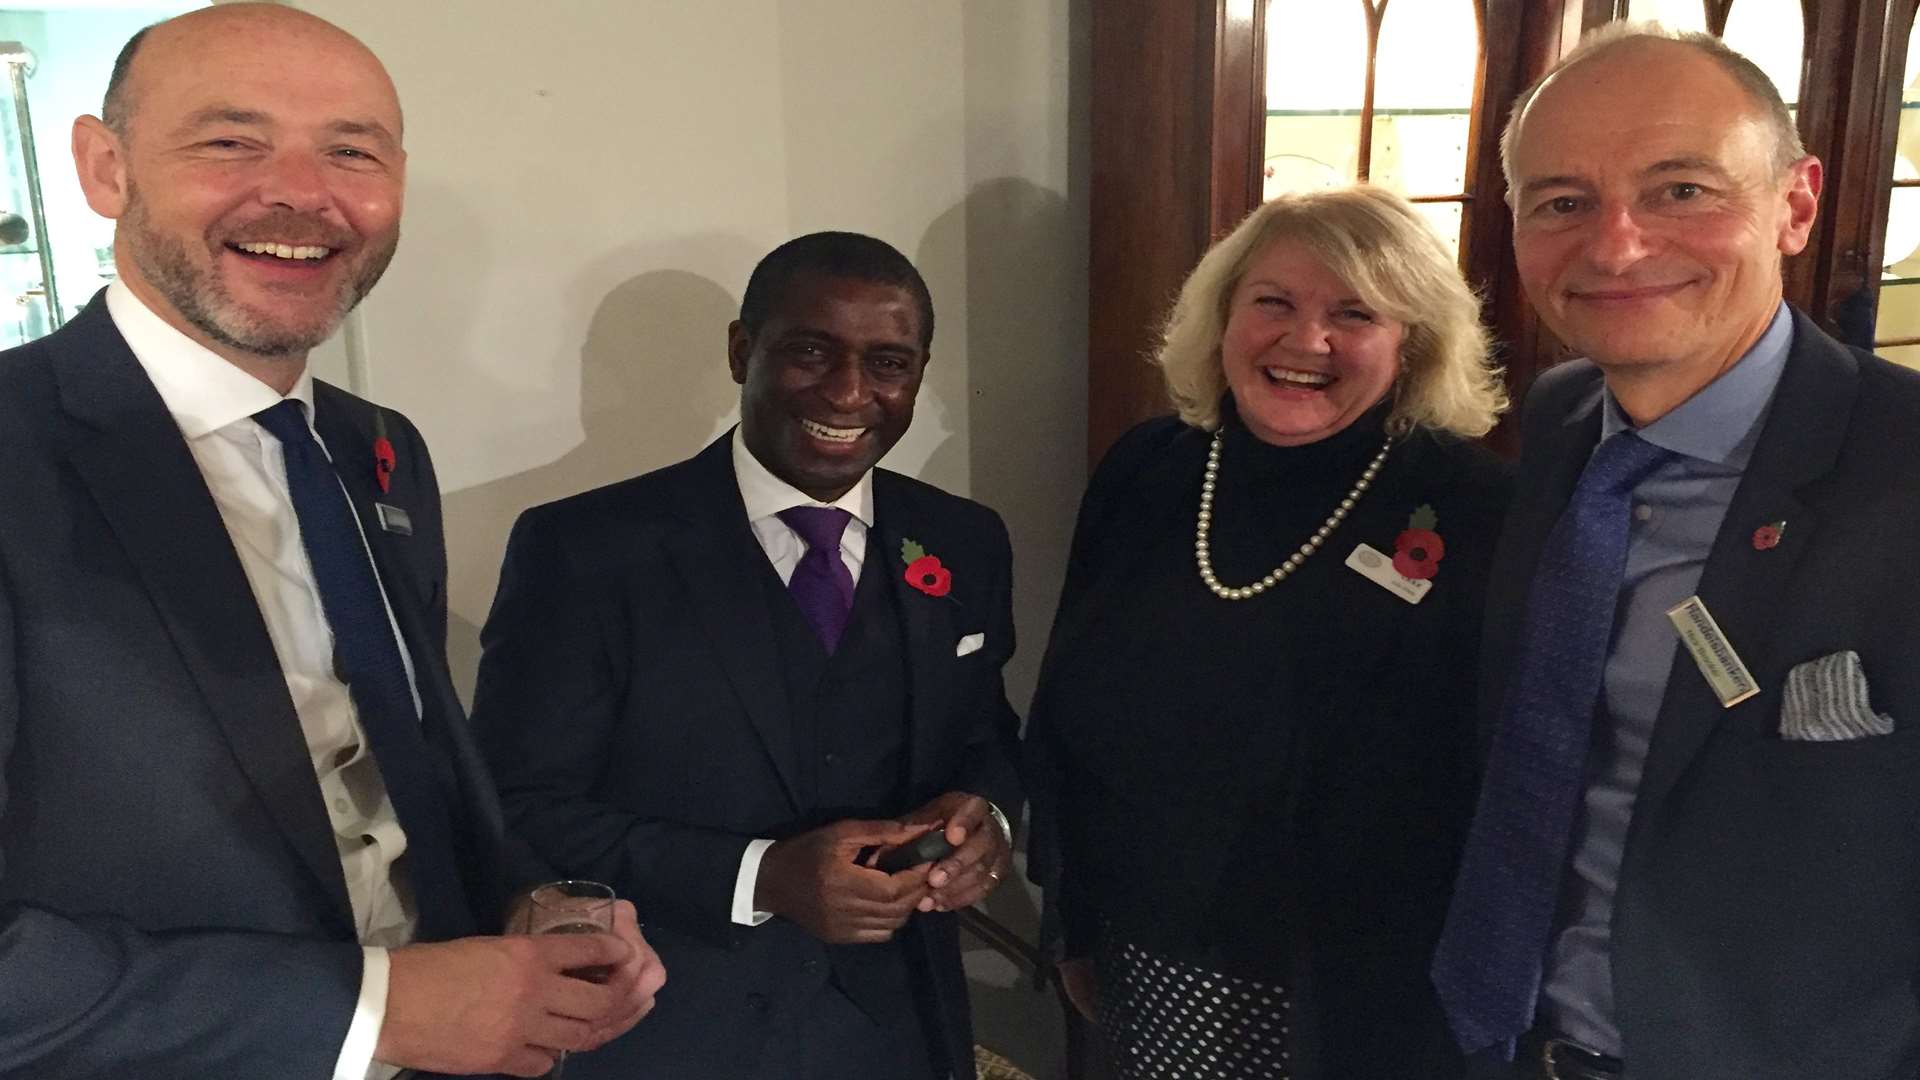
[1378, 569]
[1730, 679]
[393, 519]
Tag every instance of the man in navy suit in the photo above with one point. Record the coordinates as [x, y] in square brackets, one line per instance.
[718, 684]
[1735, 892]
[243, 829]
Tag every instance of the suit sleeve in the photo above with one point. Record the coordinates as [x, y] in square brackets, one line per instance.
[552, 689]
[96, 997]
[993, 741]
[1069, 922]
[516, 867]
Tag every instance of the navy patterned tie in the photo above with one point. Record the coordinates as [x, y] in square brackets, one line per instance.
[821, 583]
[367, 659]
[1488, 964]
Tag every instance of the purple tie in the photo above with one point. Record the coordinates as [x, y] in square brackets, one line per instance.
[821, 584]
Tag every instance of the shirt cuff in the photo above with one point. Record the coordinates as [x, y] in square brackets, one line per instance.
[743, 885]
[369, 1014]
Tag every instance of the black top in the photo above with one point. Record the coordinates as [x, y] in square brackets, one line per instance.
[1274, 787]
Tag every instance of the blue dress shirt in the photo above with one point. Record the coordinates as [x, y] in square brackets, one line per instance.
[1677, 513]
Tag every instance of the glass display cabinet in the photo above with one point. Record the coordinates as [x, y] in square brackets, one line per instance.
[29, 296]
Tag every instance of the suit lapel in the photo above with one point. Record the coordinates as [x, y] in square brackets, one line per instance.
[1741, 585]
[721, 561]
[150, 490]
[351, 449]
[927, 620]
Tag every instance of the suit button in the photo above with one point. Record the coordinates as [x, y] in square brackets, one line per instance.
[831, 759]
[809, 966]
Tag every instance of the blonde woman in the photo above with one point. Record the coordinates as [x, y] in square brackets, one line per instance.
[1251, 741]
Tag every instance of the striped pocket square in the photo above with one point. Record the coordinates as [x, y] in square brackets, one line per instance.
[1826, 701]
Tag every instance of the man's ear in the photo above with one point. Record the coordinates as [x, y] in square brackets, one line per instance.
[739, 348]
[101, 160]
[1804, 179]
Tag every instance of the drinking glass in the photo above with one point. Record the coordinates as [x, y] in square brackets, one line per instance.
[572, 907]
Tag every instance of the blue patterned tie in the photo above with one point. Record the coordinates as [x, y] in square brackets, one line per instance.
[821, 583]
[367, 658]
[1488, 964]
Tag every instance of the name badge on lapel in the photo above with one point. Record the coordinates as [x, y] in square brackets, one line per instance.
[1730, 679]
[1378, 568]
[393, 519]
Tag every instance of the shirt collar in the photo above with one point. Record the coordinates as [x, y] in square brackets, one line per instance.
[203, 392]
[766, 494]
[1720, 423]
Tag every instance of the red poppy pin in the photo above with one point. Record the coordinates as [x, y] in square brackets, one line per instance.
[383, 463]
[924, 571]
[1417, 551]
[1767, 537]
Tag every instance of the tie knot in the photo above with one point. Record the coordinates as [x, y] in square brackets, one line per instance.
[819, 526]
[1621, 462]
[285, 422]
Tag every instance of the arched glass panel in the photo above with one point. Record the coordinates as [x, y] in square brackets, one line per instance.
[1897, 326]
[1424, 68]
[1426, 59]
[1772, 34]
[1672, 14]
[1316, 85]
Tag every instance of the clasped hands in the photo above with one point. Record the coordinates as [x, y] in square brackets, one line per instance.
[816, 881]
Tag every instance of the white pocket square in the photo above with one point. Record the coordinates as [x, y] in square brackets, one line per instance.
[1826, 700]
[970, 643]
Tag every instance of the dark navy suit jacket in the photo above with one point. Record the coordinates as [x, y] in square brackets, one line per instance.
[1767, 925]
[171, 899]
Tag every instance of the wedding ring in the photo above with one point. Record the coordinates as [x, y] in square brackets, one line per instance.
[994, 874]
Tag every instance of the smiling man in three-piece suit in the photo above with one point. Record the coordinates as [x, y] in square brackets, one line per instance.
[1697, 850]
[720, 685]
[243, 831]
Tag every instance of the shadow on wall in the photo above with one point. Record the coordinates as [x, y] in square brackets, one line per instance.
[1024, 457]
[653, 374]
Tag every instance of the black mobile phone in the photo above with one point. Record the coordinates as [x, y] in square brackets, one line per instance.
[929, 847]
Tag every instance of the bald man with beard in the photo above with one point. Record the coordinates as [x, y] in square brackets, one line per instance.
[243, 830]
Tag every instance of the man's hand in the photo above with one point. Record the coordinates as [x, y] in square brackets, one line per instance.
[813, 881]
[505, 1004]
[634, 981]
[981, 856]
[1077, 978]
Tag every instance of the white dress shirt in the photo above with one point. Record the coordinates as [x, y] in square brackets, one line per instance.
[213, 404]
[765, 495]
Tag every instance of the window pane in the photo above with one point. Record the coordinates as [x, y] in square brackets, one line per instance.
[1423, 96]
[1905, 354]
[1900, 257]
[1672, 14]
[1316, 84]
[1899, 315]
[1446, 219]
[1771, 34]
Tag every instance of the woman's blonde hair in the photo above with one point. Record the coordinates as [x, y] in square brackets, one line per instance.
[1385, 251]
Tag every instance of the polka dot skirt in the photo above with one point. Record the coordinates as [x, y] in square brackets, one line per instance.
[1166, 1019]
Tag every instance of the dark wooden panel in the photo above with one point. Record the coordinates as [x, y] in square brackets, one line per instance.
[1239, 112]
[1847, 259]
[1152, 160]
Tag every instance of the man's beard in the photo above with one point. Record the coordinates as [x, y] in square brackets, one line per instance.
[201, 296]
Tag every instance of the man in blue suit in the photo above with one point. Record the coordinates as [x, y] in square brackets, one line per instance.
[243, 830]
[1694, 856]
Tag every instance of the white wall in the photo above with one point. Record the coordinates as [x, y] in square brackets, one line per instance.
[590, 182]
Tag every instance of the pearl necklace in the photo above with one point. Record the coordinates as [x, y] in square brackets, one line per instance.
[1202, 553]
